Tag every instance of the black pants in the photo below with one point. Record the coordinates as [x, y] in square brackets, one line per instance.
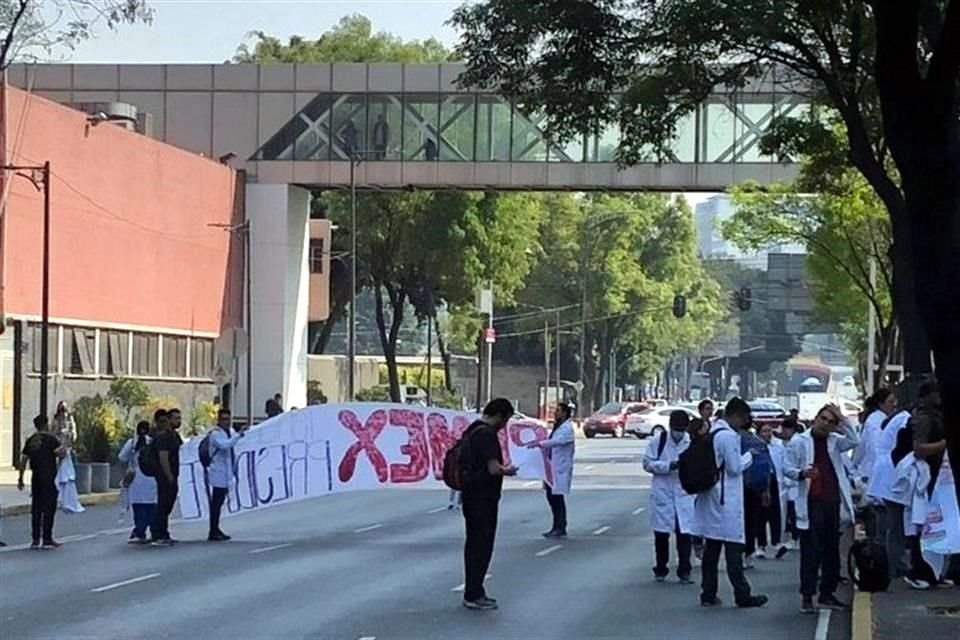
[919, 569]
[661, 544]
[480, 519]
[709, 571]
[217, 498]
[752, 508]
[770, 516]
[791, 523]
[166, 498]
[43, 508]
[894, 538]
[558, 507]
[820, 549]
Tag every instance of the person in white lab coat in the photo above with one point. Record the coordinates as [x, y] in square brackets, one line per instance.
[141, 489]
[718, 512]
[880, 489]
[560, 447]
[671, 508]
[881, 404]
[220, 470]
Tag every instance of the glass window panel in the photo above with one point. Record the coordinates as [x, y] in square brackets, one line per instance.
[493, 129]
[528, 138]
[384, 124]
[748, 139]
[684, 145]
[457, 133]
[605, 144]
[575, 150]
[349, 126]
[718, 131]
[421, 118]
[309, 132]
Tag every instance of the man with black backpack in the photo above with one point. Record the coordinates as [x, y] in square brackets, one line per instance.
[713, 468]
[483, 473]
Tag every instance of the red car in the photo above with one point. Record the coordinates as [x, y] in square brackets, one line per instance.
[611, 418]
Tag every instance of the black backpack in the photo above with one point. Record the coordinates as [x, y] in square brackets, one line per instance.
[698, 466]
[868, 566]
[204, 451]
[148, 459]
[904, 444]
[456, 473]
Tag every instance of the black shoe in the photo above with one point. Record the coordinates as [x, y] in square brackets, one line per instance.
[554, 533]
[218, 537]
[782, 551]
[806, 606]
[831, 602]
[480, 604]
[2, 543]
[489, 599]
[753, 602]
[685, 579]
[711, 602]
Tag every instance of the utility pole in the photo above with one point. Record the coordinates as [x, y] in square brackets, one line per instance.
[352, 321]
[557, 347]
[429, 360]
[546, 367]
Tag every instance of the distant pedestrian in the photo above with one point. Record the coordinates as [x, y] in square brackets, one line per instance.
[430, 150]
[141, 489]
[484, 472]
[42, 450]
[789, 429]
[756, 495]
[824, 501]
[220, 471]
[348, 137]
[381, 137]
[773, 506]
[671, 508]
[168, 444]
[65, 430]
[274, 406]
[560, 447]
[877, 408]
[718, 512]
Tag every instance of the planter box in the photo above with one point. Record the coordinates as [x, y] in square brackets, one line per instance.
[100, 477]
[84, 476]
[117, 471]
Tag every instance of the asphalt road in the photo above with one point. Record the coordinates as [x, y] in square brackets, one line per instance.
[387, 565]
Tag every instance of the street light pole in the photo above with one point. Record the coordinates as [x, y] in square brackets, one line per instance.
[352, 330]
[557, 347]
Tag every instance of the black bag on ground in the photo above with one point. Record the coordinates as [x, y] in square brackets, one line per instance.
[868, 566]
[148, 459]
[697, 466]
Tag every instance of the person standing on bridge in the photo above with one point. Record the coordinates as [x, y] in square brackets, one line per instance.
[483, 464]
[381, 137]
[671, 508]
[560, 448]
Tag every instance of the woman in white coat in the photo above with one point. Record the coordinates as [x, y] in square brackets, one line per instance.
[141, 488]
[559, 447]
[671, 508]
[66, 430]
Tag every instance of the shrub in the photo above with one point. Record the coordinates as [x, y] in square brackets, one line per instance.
[129, 394]
[315, 394]
[202, 416]
[379, 393]
[99, 432]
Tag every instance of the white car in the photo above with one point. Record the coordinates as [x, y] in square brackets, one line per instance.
[642, 424]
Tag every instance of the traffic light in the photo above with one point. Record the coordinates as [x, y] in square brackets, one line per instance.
[744, 298]
[679, 306]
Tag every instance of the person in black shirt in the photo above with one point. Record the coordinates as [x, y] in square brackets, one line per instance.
[273, 406]
[484, 472]
[42, 450]
[168, 442]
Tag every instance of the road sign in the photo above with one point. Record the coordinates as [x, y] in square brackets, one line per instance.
[221, 375]
[489, 335]
[232, 343]
[578, 385]
[485, 301]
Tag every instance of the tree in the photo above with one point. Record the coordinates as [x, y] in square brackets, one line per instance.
[39, 27]
[129, 394]
[844, 230]
[351, 40]
[888, 68]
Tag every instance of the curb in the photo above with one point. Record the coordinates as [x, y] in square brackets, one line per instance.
[861, 620]
[87, 500]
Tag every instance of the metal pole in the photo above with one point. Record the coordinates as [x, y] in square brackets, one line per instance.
[45, 293]
[479, 370]
[489, 361]
[583, 342]
[557, 367]
[546, 368]
[872, 332]
[429, 361]
[249, 310]
[352, 330]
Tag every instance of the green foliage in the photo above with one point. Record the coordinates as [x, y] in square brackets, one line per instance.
[380, 393]
[129, 394]
[99, 431]
[202, 417]
[351, 40]
[315, 394]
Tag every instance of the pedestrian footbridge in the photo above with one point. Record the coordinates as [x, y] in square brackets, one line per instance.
[412, 126]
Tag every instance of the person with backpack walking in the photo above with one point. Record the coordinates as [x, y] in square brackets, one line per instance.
[758, 479]
[712, 468]
[560, 447]
[141, 488]
[220, 445]
[824, 502]
[165, 447]
[483, 473]
[43, 451]
[671, 508]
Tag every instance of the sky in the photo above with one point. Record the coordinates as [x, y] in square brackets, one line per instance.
[210, 30]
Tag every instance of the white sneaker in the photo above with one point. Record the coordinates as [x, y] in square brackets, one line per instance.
[919, 585]
[760, 554]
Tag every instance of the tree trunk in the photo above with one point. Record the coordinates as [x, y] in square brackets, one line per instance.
[444, 356]
[388, 338]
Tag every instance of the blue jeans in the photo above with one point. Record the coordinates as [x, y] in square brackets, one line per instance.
[142, 518]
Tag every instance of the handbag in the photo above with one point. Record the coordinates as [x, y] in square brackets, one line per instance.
[128, 478]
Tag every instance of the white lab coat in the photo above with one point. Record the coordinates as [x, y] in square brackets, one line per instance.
[560, 447]
[669, 503]
[800, 457]
[884, 474]
[220, 471]
[865, 455]
[143, 489]
[910, 490]
[718, 520]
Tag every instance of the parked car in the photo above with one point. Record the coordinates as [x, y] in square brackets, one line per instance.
[767, 412]
[643, 424]
[611, 418]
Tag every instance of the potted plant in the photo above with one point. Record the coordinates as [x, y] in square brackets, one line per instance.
[95, 419]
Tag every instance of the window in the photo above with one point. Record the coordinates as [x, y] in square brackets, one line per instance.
[52, 350]
[79, 345]
[316, 255]
[146, 353]
[114, 352]
[201, 358]
[175, 356]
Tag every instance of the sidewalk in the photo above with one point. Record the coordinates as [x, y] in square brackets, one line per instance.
[16, 503]
[905, 613]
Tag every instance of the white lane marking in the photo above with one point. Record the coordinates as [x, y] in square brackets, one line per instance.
[78, 538]
[639, 510]
[438, 510]
[368, 638]
[823, 625]
[601, 531]
[117, 585]
[589, 467]
[549, 550]
[365, 529]
[532, 483]
[460, 588]
[273, 548]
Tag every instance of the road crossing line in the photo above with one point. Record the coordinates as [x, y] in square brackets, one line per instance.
[601, 531]
[823, 625]
[639, 510]
[372, 527]
[124, 583]
[549, 550]
[273, 548]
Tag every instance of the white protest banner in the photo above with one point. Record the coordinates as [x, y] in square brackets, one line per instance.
[941, 533]
[326, 449]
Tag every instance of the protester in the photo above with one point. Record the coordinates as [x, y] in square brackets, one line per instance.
[484, 472]
[141, 488]
[880, 490]
[718, 512]
[42, 450]
[756, 487]
[560, 447]
[705, 409]
[701, 427]
[824, 501]
[273, 406]
[789, 429]
[671, 508]
[220, 470]
[877, 408]
[168, 444]
[65, 430]
[772, 507]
